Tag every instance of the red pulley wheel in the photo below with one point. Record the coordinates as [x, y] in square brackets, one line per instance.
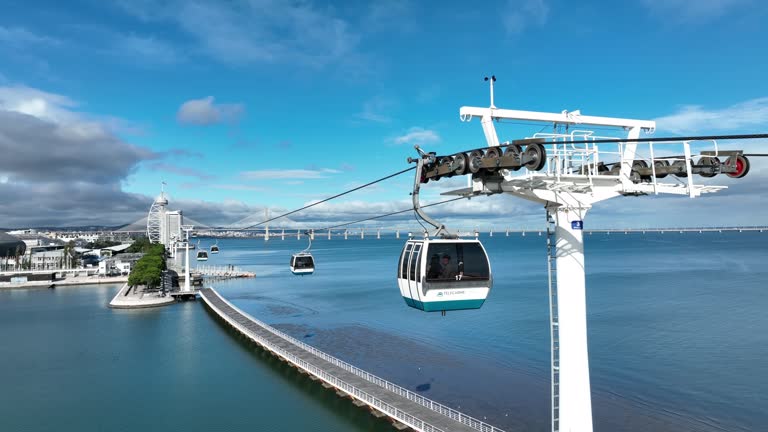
[742, 166]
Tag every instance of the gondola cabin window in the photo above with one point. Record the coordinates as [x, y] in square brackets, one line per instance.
[456, 261]
[413, 275]
[404, 260]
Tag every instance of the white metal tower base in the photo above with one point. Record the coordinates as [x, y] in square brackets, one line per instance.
[571, 391]
[187, 284]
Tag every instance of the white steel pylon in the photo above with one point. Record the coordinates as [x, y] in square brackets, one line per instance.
[567, 179]
[187, 285]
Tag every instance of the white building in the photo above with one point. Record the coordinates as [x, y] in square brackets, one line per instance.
[88, 237]
[114, 267]
[170, 227]
[46, 259]
[119, 265]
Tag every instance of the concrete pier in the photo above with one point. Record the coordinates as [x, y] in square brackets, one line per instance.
[136, 298]
[404, 407]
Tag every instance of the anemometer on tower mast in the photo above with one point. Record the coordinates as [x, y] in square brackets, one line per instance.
[567, 172]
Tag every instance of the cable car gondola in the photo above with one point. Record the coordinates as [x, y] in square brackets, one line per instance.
[303, 263]
[215, 248]
[442, 274]
[202, 255]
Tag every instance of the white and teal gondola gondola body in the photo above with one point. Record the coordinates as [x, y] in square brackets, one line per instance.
[302, 263]
[444, 274]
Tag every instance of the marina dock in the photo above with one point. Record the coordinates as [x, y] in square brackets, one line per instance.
[405, 408]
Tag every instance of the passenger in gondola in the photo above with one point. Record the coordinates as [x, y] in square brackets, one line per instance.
[434, 269]
[447, 271]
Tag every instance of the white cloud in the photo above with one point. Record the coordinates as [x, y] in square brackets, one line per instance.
[146, 48]
[257, 31]
[418, 136]
[685, 10]
[374, 110]
[18, 36]
[205, 112]
[520, 14]
[240, 187]
[61, 166]
[288, 174]
[180, 170]
[695, 119]
[37, 103]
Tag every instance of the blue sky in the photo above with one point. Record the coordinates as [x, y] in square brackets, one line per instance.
[243, 104]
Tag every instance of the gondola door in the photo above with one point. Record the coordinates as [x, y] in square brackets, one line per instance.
[414, 273]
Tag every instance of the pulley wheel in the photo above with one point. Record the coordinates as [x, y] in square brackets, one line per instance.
[460, 164]
[742, 166]
[615, 169]
[707, 162]
[516, 151]
[537, 156]
[661, 165]
[681, 165]
[436, 167]
[475, 161]
[635, 175]
[493, 153]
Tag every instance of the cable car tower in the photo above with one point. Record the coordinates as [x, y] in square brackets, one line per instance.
[568, 171]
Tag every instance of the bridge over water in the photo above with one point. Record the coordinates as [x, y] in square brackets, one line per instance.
[404, 407]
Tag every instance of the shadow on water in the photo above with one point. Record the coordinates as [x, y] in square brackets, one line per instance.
[360, 417]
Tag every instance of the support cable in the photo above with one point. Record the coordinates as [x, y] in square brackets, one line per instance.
[391, 214]
[326, 199]
[643, 140]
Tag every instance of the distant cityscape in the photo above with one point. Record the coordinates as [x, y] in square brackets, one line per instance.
[102, 251]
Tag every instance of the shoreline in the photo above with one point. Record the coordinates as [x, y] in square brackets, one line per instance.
[124, 299]
[66, 282]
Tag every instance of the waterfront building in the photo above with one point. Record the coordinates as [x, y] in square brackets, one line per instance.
[170, 228]
[10, 248]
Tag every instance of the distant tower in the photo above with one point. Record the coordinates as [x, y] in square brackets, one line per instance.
[156, 217]
[266, 218]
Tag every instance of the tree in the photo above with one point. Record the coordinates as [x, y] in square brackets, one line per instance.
[140, 245]
[148, 270]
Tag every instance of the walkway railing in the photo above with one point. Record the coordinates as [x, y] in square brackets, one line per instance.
[394, 388]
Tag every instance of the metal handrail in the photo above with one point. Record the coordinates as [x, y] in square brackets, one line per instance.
[421, 400]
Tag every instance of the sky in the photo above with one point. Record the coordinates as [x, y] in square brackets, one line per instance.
[247, 104]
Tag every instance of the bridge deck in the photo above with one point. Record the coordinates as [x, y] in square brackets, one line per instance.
[399, 404]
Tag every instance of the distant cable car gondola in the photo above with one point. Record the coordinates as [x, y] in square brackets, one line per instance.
[202, 255]
[303, 262]
[215, 248]
[441, 274]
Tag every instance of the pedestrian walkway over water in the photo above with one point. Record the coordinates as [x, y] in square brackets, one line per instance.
[403, 406]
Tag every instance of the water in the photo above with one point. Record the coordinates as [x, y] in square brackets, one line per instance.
[677, 334]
